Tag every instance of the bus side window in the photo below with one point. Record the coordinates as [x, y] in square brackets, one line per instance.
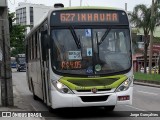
[30, 48]
[35, 45]
[33, 48]
[38, 44]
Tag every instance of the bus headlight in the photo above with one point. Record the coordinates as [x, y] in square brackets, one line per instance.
[61, 88]
[124, 86]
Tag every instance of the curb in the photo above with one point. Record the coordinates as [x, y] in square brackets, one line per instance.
[146, 84]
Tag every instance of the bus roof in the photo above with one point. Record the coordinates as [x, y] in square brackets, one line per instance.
[91, 7]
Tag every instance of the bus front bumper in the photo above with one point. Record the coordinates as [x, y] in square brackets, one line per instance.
[60, 100]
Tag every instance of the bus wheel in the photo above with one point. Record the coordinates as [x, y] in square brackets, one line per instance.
[51, 110]
[109, 108]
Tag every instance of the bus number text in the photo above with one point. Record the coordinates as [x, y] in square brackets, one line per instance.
[71, 64]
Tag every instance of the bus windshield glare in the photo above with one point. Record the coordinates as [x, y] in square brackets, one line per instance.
[99, 51]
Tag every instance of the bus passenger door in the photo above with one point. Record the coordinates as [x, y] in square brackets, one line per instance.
[45, 71]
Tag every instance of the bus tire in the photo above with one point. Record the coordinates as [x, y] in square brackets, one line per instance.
[109, 108]
[50, 109]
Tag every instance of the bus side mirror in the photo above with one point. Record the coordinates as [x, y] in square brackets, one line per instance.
[44, 44]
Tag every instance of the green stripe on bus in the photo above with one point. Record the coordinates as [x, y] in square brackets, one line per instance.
[71, 85]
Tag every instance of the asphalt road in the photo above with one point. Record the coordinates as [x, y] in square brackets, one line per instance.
[145, 99]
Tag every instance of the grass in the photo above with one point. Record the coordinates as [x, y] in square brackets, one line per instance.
[147, 77]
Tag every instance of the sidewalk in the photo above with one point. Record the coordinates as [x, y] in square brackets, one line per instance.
[19, 105]
[146, 84]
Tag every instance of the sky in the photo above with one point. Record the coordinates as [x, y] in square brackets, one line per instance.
[12, 4]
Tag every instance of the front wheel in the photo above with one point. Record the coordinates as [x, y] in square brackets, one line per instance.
[109, 108]
[51, 110]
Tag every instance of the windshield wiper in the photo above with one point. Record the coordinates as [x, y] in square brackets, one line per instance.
[104, 36]
[76, 39]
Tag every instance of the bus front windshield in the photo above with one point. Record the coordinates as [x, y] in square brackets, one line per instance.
[91, 51]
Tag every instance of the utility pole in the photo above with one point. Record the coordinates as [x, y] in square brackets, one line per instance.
[151, 39]
[125, 6]
[5, 69]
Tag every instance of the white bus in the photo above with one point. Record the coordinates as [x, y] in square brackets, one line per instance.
[81, 56]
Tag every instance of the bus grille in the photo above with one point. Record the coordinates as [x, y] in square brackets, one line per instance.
[94, 98]
[93, 82]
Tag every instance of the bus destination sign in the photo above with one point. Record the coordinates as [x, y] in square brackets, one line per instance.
[88, 17]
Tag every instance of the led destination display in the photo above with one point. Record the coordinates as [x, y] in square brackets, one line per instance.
[88, 17]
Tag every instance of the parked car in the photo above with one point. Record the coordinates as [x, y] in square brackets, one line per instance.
[13, 62]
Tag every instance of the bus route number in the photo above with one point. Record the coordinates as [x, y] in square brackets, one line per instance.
[71, 64]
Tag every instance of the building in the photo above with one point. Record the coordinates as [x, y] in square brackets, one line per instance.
[138, 58]
[138, 49]
[30, 14]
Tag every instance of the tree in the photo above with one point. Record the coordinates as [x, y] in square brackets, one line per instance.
[17, 39]
[11, 19]
[17, 35]
[155, 17]
[134, 41]
[141, 18]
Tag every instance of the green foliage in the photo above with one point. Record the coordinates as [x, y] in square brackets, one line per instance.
[17, 35]
[147, 77]
[141, 18]
[156, 40]
[11, 19]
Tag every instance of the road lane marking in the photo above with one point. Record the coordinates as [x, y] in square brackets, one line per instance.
[147, 92]
[135, 108]
[33, 107]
